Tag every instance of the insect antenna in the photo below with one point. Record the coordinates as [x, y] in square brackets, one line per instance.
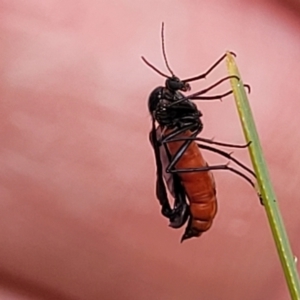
[153, 68]
[165, 57]
[164, 49]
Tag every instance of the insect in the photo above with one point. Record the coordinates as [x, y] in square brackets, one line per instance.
[180, 166]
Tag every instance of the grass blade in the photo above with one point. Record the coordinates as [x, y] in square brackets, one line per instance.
[264, 184]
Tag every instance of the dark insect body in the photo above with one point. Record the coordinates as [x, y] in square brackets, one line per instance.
[176, 123]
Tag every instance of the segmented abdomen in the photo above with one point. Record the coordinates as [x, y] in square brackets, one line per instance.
[199, 187]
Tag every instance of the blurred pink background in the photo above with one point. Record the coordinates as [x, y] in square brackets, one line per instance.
[79, 219]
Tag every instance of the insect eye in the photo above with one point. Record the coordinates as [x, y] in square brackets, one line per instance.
[174, 84]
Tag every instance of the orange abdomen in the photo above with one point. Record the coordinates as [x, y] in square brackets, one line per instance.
[199, 186]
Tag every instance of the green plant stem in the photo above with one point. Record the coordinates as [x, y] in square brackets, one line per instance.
[264, 184]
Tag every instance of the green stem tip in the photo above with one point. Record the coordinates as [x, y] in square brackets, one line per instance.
[263, 181]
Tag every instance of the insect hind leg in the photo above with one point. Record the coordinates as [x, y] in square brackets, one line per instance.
[215, 167]
[187, 141]
[180, 213]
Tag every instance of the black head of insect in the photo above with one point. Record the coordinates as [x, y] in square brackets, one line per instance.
[173, 83]
[170, 94]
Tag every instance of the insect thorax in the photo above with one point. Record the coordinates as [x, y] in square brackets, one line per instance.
[176, 115]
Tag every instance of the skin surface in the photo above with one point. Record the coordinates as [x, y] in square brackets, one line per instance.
[78, 215]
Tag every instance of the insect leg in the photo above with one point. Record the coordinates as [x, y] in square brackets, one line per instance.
[216, 97]
[183, 147]
[177, 156]
[180, 213]
[202, 76]
[171, 167]
[170, 137]
[210, 141]
[221, 152]
[161, 191]
[204, 90]
[216, 167]
[181, 210]
[227, 155]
